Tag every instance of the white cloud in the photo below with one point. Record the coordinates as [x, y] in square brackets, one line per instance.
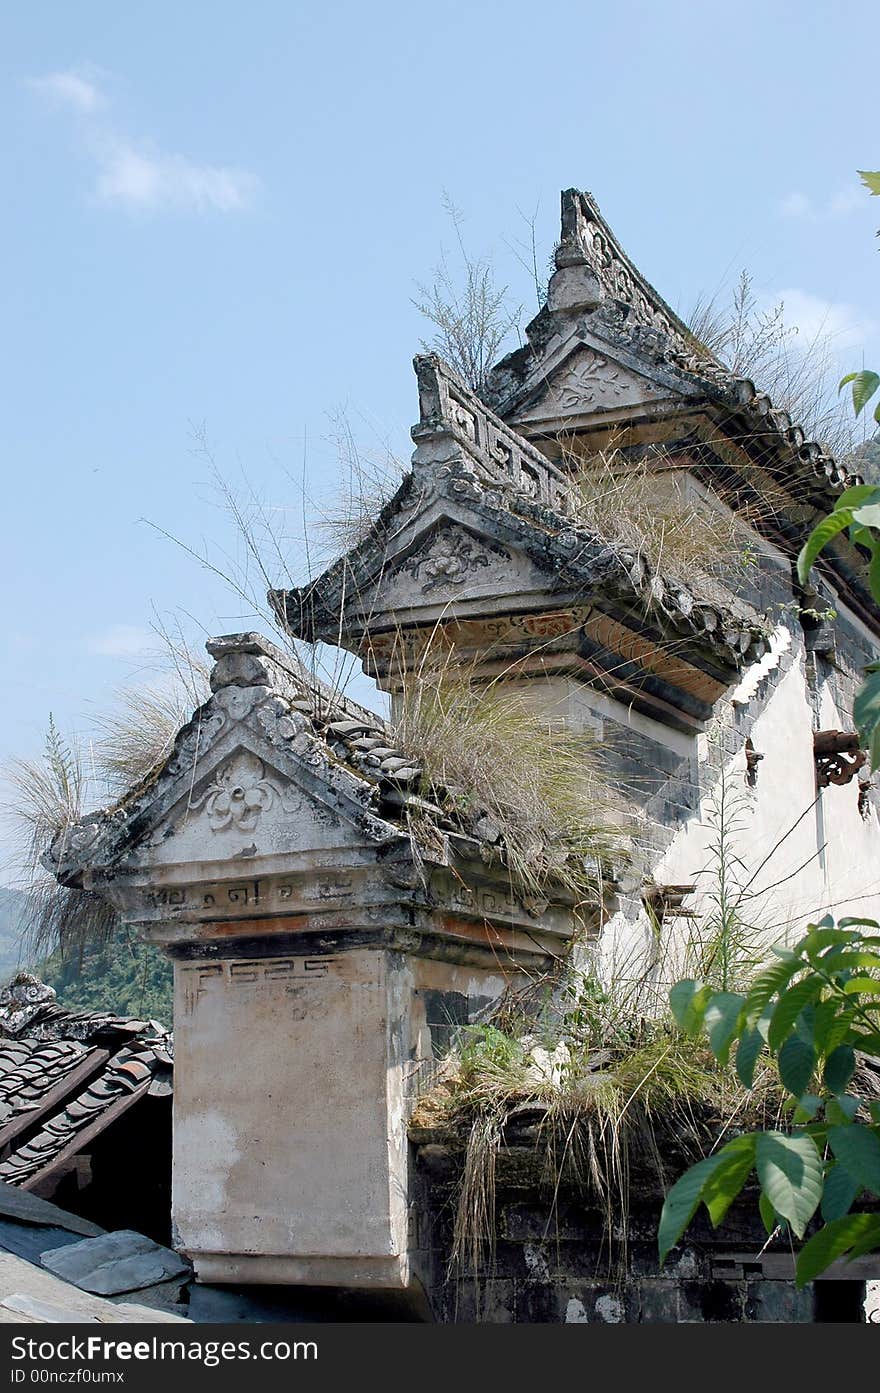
[840, 324]
[69, 89]
[122, 641]
[837, 205]
[796, 205]
[148, 180]
[134, 174]
[847, 201]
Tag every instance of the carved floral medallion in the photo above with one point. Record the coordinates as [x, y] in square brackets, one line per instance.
[238, 795]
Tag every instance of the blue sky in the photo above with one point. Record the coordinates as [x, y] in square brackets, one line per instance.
[215, 216]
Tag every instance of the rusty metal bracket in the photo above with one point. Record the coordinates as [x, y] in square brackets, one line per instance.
[865, 798]
[753, 759]
[666, 902]
[837, 755]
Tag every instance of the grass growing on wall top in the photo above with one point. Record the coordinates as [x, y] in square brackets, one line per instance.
[527, 785]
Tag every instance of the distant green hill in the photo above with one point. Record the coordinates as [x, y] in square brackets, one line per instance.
[124, 975]
[13, 918]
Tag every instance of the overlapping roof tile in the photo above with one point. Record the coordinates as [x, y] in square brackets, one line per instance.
[64, 1071]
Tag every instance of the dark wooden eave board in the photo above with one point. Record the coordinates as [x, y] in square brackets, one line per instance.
[79, 1140]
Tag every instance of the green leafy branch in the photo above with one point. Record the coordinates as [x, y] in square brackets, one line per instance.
[812, 1009]
[857, 511]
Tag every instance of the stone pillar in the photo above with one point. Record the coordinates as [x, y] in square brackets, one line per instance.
[290, 1157]
[295, 1074]
[329, 928]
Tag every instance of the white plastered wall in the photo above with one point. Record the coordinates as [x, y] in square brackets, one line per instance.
[799, 851]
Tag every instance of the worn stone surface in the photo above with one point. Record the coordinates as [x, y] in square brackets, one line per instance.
[555, 1262]
[114, 1262]
[30, 1294]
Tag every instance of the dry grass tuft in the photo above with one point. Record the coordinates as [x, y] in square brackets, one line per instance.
[139, 733]
[368, 482]
[50, 794]
[469, 310]
[534, 790]
[798, 372]
[656, 514]
[601, 1119]
[47, 798]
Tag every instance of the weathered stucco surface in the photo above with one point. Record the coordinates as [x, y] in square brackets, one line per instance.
[289, 1071]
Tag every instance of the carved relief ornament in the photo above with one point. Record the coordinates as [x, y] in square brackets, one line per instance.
[239, 794]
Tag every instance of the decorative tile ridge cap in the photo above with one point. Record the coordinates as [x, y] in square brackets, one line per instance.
[523, 376]
[587, 240]
[286, 716]
[573, 551]
[458, 439]
[740, 394]
[252, 660]
[30, 1009]
[452, 413]
[311, 611]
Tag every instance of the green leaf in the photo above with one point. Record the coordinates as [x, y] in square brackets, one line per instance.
[841, 1030]
[724, 1184]
[839, 1193]
[820, 536]
[750, 1046]
[839, 1068]
[867, 515]
[866, 710]
[790, 1171]
[841, 1110]
[870, 178]
[790, 1006]
[767, 1212]
[797, 1061]
[809, 1104]
[820, 939]
[870, 986]
[857, 1232]
[688, 1000]
[769, 981]
[849, 960]
[857, 1148]
[720, 1020]
[864, 385]
[681, 1203]
[824, 1016]
[861, 923]
[874, 1109]
[859, 493]
[864, 537]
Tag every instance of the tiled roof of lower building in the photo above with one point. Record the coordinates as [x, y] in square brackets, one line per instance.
[67, 1075]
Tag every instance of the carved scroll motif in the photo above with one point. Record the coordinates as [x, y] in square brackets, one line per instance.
[589, 381]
